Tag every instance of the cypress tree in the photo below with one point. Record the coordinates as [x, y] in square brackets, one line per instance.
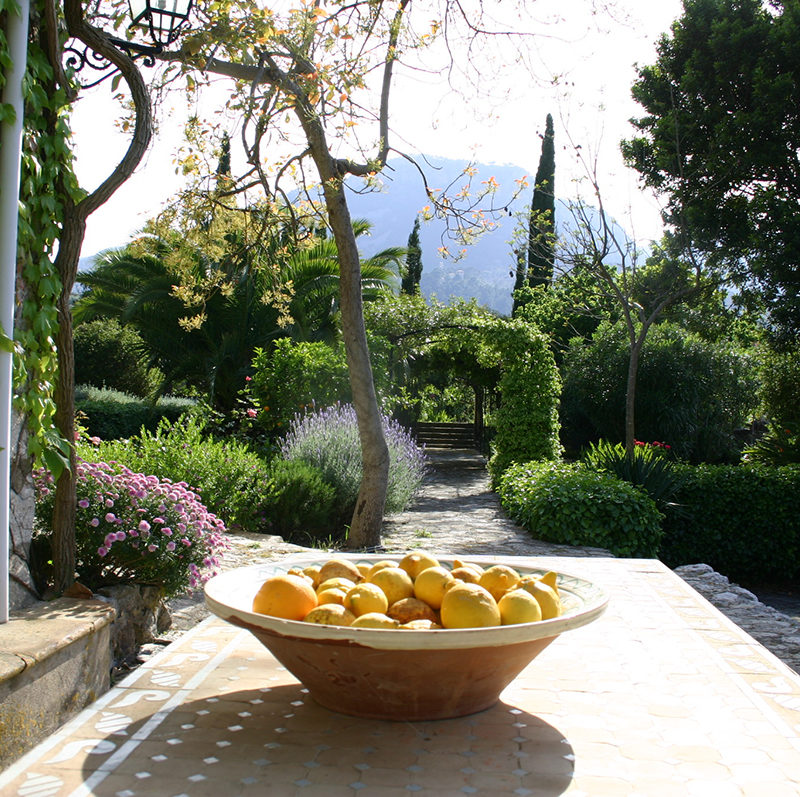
[541, 227]
[520, 277]
[410, 284]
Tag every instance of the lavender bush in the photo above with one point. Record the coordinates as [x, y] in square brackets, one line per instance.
[328, 440]
[135, 528]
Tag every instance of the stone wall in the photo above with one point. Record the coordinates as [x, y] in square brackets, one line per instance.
[22, 591]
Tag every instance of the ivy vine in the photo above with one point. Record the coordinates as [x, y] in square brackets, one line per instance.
[46, 158]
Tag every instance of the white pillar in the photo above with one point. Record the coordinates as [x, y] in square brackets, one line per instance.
[10, 151]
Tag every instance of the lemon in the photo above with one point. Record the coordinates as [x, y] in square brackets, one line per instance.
[287, 595]
[379, 565]
[395, 583]
[548, 600]
[420, 625]
[331, 595]
[374, 620]
[364, 568]
[339, 568]
[469, 606]
[330, 614]
[312, 571]
[551, 579]
[461, 563]
[466, 574]
[498, 580]
[366, 598]
[335, 583]
[519, 606]
[431, 584]
[414, 563]
[408, 609]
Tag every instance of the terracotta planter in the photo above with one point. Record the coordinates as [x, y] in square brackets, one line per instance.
[398, 674]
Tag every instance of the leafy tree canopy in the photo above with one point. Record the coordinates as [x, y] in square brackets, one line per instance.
[720, 139]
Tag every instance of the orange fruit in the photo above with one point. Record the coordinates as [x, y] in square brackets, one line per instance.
[395, 583]
[519, 606]
[288, 596]
[414, 563]
[469, 606]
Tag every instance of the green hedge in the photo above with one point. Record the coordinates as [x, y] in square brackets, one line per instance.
[743, 520]
[111, 415]
[575, 505]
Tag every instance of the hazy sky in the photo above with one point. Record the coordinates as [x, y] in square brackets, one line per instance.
[594, 57]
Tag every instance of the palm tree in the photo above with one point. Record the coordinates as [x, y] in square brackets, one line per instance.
[201, 318]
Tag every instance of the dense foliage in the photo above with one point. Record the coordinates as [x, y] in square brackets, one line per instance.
[110, 414]
[109, 354]
[294, 377]
[572, 504]
[329, 441]
[690, 393]
[136, 528]
[720, 135]
[228, 477]
[298, 504]
[742, 520]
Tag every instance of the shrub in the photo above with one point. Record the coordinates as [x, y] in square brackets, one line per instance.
[779, 375]
[110, 414]
[329, 440]
[527, 417]
[299, 504]
[294, 377]
[743, 520]
[228, 476]
[108, 354]
[573, 505]
[647, 468]
[779, 445]
[135, 528]
[689, 391]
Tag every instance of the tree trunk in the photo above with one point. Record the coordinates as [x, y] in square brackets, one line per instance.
[630, 393]
[365, 528]
[64, 508]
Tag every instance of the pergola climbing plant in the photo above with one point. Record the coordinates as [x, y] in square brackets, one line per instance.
[46, 162]
[509, 356]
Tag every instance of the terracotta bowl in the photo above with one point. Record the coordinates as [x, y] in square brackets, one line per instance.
[399, 674]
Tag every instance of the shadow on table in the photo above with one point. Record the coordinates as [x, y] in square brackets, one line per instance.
[277, 741]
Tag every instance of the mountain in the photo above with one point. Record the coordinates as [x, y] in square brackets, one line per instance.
[485, 271]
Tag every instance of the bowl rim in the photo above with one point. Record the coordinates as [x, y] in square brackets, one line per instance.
[244, 581]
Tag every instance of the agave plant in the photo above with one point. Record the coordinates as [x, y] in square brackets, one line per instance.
[779, 445]
[645, 467]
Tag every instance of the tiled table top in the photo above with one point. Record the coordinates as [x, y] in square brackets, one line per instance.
[660, 696]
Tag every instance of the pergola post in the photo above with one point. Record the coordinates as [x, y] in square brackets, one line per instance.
[10, 154]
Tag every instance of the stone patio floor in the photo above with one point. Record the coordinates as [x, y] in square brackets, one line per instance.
[662, 695]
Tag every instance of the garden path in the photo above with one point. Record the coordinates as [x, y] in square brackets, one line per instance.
[456, 513]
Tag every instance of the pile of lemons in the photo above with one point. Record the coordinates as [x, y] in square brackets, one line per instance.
[415, 592]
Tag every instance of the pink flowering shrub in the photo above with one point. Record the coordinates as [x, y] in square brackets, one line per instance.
[135, 528]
